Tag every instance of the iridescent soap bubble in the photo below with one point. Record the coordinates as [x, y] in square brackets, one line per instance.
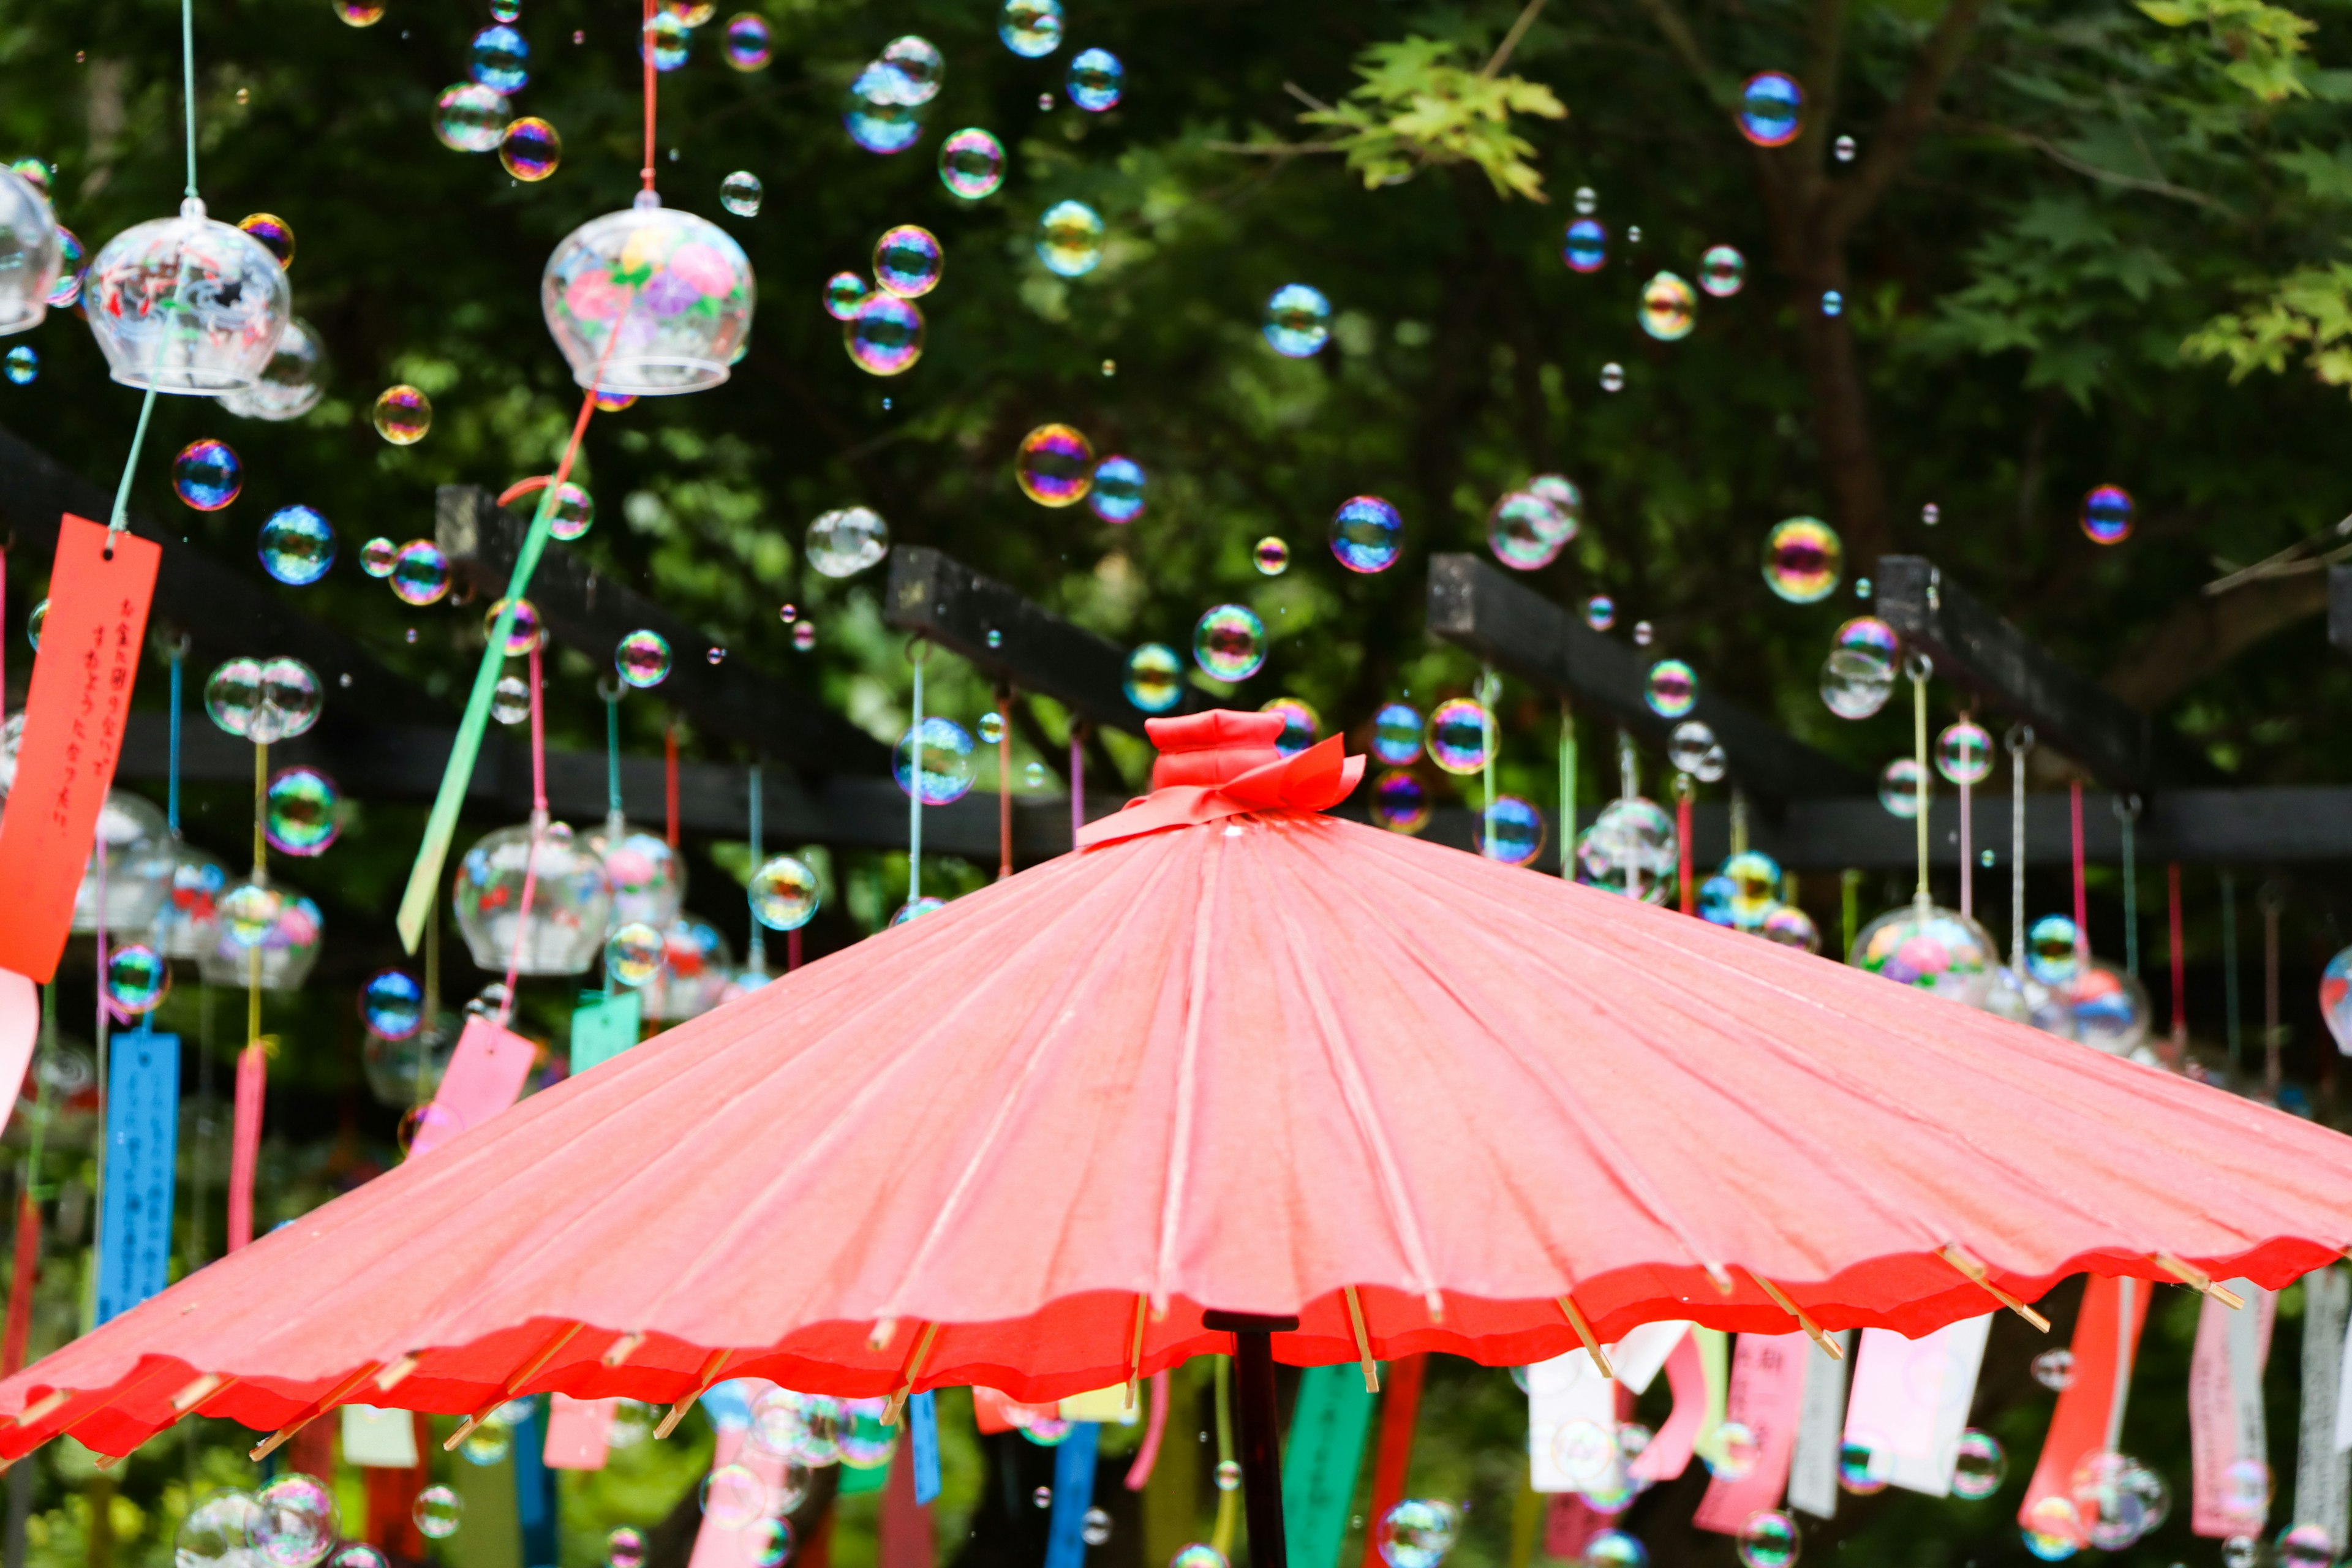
[72, 267]
[1031, 28]
[1070, 238]
[1056, 465]
[1898, 786]
[1417, 1532]
[971, 163]
[1790, 927]
[844, 292]
[290, 385]
[1300, 724]
[207, 475]
[635, 953]
[1771, 109]
[1982, 1466]
[2055, 1369]
[301, 810]
[643, 659]
[1869, 635]
[1229, 642]
[1400, 804]
[1671, 689]
[1461, 736]
[747, 42]
[498, 58]
[401, 414]
[1803, 559]
[437, 1512]
[1599, 612]
[2053, 1530]
[665, 43]
[1367, 534]
[2246, 1491]
[1735, 1451]
[1586, 247]
[1396, 733]
[846, 540]
[1613, 378]
[274, 232]
[297, 1527]
[232, 694]
[2306, 1546]
[784, 893]
[624, 1548]
[886, 336]
[804, 636]
[1096, 79]
[1722, 271]
[572, 514]
[1518, 831]
[1116, 493]
[1613, 1549]
[2107, 513]
[222, 1531]
[913, 910]
[1768, 1538]
[358, 13]
[913, 68]
[908, 262]
[1832, 302]
[297, 546]
[1669, 308]
[1855, 684]
[524, 632]
[420, 573]
[531, 149]
[740, 193]
[35, 620]
[23, 363]
[1964, 752]
[874, 123]
[1859, 1472]
[946, 764]
[471, 118]
[1527, 532]
[137, 977]
[1155, 678]
[1693, 750]
[1271, 556]
[1297, 321]
[391, 1004]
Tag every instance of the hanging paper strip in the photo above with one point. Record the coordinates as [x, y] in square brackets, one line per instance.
[1570, 1521]
[392, 1497]
[1821, 1433]
[2089, 1418]
[244, 1140]
[534, 1491]
[493, 1535]
[1572, 1427]
[1109, 1405]
[2227, 1423]
[485, 1073]
[870, 1436]
[735, 1537]
[1767, 1388]
[995, 1412]
[1696, 1372]
[379, 1439]
[143, 1137]
[604, 1027]
[578, 1433]
[923, 1444]
[74, 713]
[2323, 1476]
[20, 1026]
[905, 1527]
[1328, 1424]
[1400, 1410]
[1910, 1402]
[1074, 1494]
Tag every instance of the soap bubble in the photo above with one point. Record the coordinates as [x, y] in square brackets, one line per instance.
[1982, 1466]
[1771, 109]
[1095, 1527]
[1155, 678]
[846, 540]
[910, 69]
[1417, 1532]
[642, 659]
[23, 364]
[1055, 466]
[1095, 80]
[71, 270]
[471, 118]
[1229, 642]
[1613, 1549]
[359, 1554]
[1642, 634]
[378, 555]
[1671, 689]
[297, 1527]
[1735, 1451]
[1116, 493]
[885, 335]
[34, 622]
[784, 893]
[1832, 302]
[574, 512]
[875, 123]
[1297, 321]
[1367, 534]
[401, 414]
[624, 1548]
[206, 475]
[500, 58]
[357, 14]
[2053, 1530]
[804, 636]
[1600, 612]
[947, 765]
[844, 292]
[740, 192]
[1032, 28]
[1964, 752]
[746, 44]
[1693, 749]
[971, 163]
[2306, 1546]
[2055, 1369]
[1669, 308]
[1898, 787]
[523, 633]
[1769, 1538]
[222, 1531]
[1790, 927]
[1462, 736]
[1803, 558]
[1069, 236]
[531, 149]
[1400, 804]
[437, 1512]
[2246, 1491]
[1396, 734]
[2107, 514]
[1271, 556]
[1858, 1472]
[1527, 532]
[301, 812]
[1613, 378]
[137, 977]
[2113, 1495]
[1856, 683]
[292, 383]
[1586, 247]
[1519, 835]
[1715, 900]
[2240, 1551]
[420, 573]
[391, 1004]
[635, 953]
[1198, 1556]
[1722, 271]
[908, 261]
[297, 546]
[666, 42]
[1300, 724]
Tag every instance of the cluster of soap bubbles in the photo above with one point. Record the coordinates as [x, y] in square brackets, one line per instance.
[1055, 467]
[475, 115]
[884, 107]
[882, 327]
[1529, 527]
[2113, 1500]
[846, 540]
[264, 701]
[1668, 307]
[1631, 849]
[1858, 676]
[289, 1523]
[1747, 894]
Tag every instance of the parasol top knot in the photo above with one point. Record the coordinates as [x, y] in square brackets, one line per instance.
[1210, 748]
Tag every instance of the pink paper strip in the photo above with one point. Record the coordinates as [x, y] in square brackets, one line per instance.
[244, 1141]
[1768, 1386]
[2225, 1417]
[1669, 1453]
[485, 1073]
[578, 1433]
[1897, 1385]
[20, 1026]
[721, 1544]
[1569, 1523]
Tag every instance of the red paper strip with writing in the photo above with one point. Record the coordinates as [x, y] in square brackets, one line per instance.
[1767, 1387]
[2090, 1415]
[74, 714]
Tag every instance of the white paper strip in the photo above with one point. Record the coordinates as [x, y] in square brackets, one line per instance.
[1821, 1428]
[1573, 1409]
[2323, 1473]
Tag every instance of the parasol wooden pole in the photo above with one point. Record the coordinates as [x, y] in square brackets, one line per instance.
[1261, 1445]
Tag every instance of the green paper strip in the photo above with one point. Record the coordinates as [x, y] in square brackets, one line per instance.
[1318, 1473]
[1714, 1362]
[603, 1028]
[425, 877]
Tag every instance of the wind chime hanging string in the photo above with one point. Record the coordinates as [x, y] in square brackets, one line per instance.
[1003, 783]
[1491, 742]
[1919, 668]
[2179, 963]
[1078, 779]
[539, 820]
[755, 954]
[2082, 890]
[252, 1063]
[2230, 1026]
[1967, 845]
[917, 652]
[1567, 791]
[2020, 742]
[2127, 809]
[1683, 790]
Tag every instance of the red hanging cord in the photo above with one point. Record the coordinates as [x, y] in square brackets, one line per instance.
[1004, 783]
[2179, 963]
[645, 49]
[2082, 894]
[1683, 850]
[669, 782]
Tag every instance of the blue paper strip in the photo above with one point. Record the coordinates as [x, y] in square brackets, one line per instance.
[535, 1488]
[1074, 1494]
[143, 1139]
[923, 1433]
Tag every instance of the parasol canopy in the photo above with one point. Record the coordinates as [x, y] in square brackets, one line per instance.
[1236, 1055]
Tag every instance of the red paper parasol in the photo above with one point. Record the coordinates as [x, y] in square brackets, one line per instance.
[1236, 1055]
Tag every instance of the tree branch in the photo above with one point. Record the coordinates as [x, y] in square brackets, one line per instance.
[1906, 123]
[2206, 632]
[2067, 159]
[1526, 18]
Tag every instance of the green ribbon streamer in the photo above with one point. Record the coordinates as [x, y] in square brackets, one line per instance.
[1327, 1426]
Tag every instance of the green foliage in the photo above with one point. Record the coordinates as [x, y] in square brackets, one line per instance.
[1419, 106]
[2264, 41]
[2307, 314]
